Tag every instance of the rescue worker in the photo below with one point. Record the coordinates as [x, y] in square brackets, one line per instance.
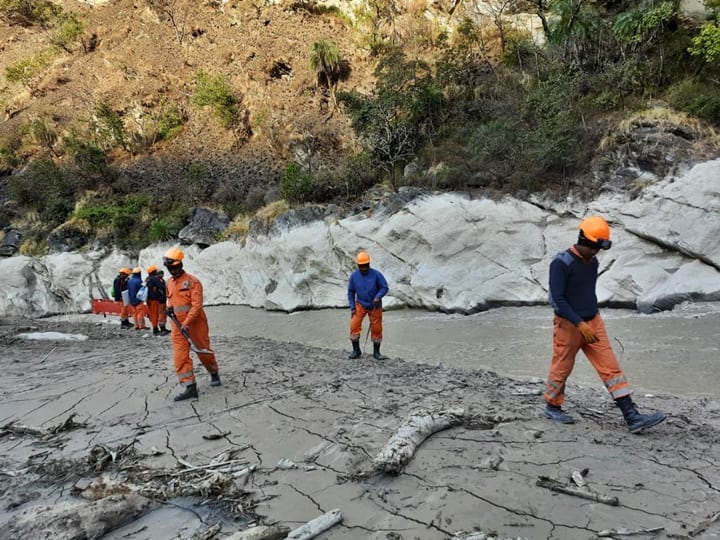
[577, 325]
[120, 284]
[134, 284]
[185, 303]
[162, 317]
[366, 289]
[155, 300]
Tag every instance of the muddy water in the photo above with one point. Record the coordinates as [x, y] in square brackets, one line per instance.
[673, 352]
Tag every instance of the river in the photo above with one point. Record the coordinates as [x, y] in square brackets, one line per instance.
[675, 352]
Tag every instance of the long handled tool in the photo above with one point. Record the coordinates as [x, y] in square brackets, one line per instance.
[194, 348]
[368, 332]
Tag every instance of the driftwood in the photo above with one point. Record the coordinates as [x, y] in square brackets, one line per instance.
[64, 521]
[704, 525]
[207, 534]
[261, 532]
[20, 429]
[554, 485]
[316, 526]
[479, 535]
[628, 532]
[206, 484]
[413, 430]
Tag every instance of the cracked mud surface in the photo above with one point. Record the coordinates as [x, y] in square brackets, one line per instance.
[311, 422]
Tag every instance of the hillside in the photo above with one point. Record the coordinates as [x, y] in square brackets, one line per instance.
[140, 58]
[121, 117]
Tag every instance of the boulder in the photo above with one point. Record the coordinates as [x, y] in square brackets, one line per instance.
[204, 227]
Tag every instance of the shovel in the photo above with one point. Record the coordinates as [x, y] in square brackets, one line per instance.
[194, 348]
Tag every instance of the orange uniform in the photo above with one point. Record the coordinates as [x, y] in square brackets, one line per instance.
[185, 297]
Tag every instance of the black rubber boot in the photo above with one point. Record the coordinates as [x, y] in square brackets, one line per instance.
[637, 422]
[376, 352]
[156, 331]
[125, 324]
[356, 353]
[164, 331]
[215, 379]
[190, 392]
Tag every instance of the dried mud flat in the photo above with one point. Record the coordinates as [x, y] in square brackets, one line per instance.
[92, 446]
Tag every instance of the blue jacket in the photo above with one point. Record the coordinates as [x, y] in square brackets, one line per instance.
[134, 284]
[364, 289]
[572, 287]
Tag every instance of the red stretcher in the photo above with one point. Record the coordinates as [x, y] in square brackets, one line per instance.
[104, 307]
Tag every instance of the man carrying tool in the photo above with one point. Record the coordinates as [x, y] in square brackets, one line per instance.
[190, 326]
[120, 284]
[366, 288]
[577, 325]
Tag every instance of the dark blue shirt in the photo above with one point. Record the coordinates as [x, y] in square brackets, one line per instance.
[119, 285]
[156, 289]
[365, 288]
[572, 287]
[134, 284]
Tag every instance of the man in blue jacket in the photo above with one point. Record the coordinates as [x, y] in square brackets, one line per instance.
[366, 288]
[134, 284]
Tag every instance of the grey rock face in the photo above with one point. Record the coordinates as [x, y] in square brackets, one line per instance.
[204, 227]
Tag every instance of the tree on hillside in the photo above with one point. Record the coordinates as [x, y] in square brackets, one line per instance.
[326, 60]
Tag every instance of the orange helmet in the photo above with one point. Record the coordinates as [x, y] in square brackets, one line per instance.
[137, 270]
[173, 257]
[124, 270]
[362, 258]
[152, 268]
[597, 230]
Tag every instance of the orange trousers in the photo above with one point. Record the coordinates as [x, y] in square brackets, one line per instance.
[155, 307]
[567, 341]
[123, 311]
[200, 334]
[140, 314]
[375, 316]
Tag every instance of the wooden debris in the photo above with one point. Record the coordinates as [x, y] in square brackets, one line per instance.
[215, 436]
[316, 526]
[212, 466]
[579, 479]
[77, 519]
[19, 429]
[413, 430]
[479, 535]
[704, 525]
[628, 532]
[261, 532]
[207, 534]
[584, 493]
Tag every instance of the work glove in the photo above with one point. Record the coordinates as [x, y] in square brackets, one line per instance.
[587, 332]
[376, 302]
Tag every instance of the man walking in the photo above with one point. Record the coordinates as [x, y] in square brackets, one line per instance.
[135, 283]
[185, 306]
[155, 300]
[577, 325]
[120, 284]
[366, 289]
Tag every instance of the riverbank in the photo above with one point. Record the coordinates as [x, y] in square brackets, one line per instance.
[306, 424]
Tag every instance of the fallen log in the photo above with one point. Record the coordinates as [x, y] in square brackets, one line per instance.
[413, 430]
[67, 520]
[316, 526]
[261, 532]
[704, 525]
[584, 493]
[610, 533]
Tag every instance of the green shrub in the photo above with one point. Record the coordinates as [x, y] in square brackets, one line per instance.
[28, 12]
[214, 92]
[296, 185]
[8, 154]
[70, 29]
[25, 70]
[162, 229]
[167, 123]
[110, 126]
[696, 98]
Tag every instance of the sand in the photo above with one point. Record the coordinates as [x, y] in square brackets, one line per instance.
[299, 428]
